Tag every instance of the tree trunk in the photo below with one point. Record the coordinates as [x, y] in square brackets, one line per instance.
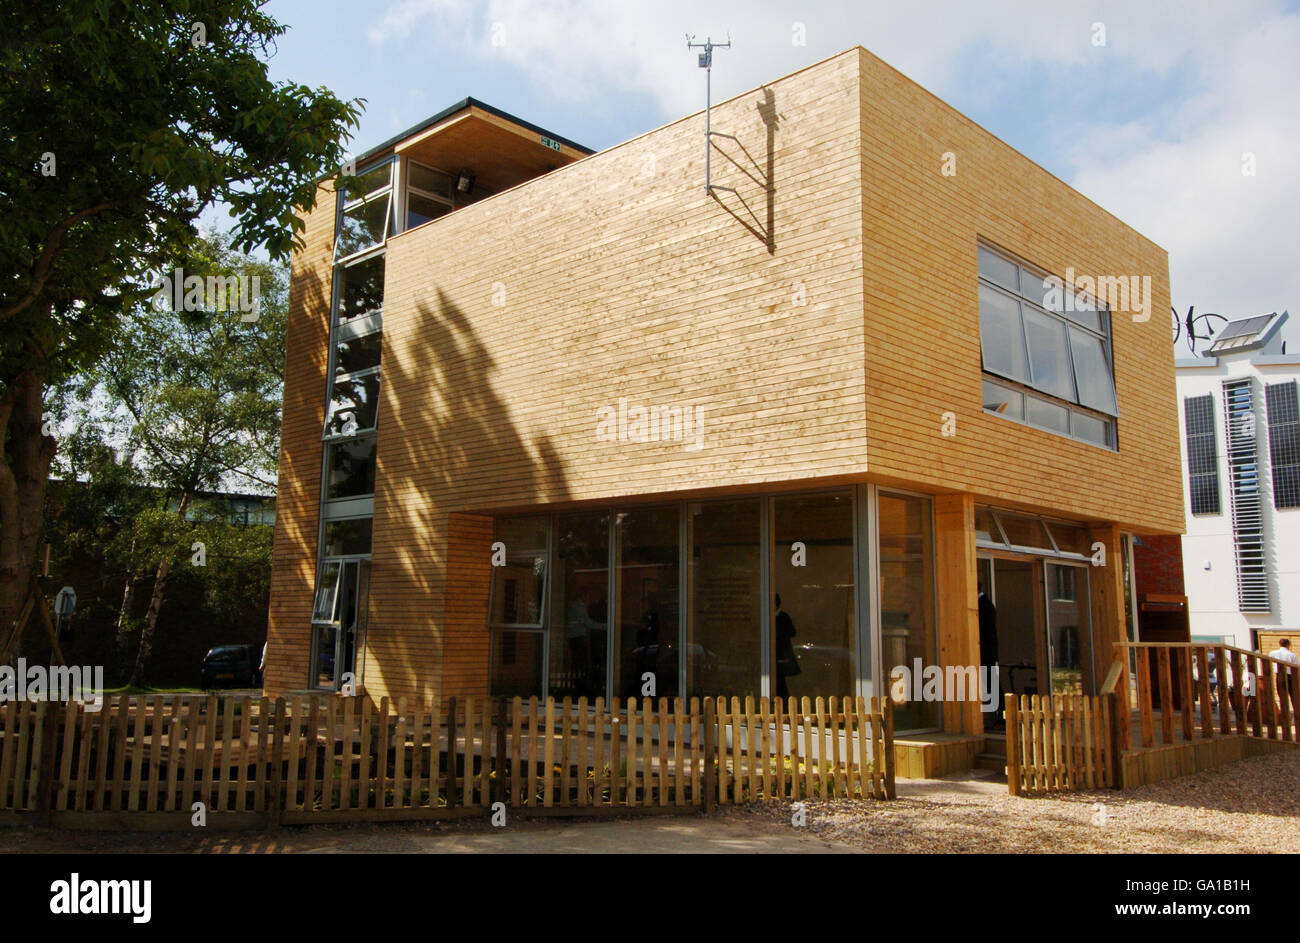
[24, 470]
[124, 619]
[155, 606]
[150, 623]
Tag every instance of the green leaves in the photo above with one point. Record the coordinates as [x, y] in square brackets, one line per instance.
[146, 128]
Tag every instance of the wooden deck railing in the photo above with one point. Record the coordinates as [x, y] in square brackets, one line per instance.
[1199, 690]
[1188, 692]
[330, 758]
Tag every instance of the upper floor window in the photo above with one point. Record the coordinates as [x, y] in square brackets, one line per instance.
[365, 220]
[428, 194]
[1284, 443]
[1202, 454]
[1049, 348]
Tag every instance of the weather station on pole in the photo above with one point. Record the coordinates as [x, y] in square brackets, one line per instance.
[706, 63]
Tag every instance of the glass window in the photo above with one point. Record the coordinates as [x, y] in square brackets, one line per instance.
[986, 529]
[363, 226]
[1083, 310]
[517, 663]
[326, 644]
[649, 600]
[1284, 442]
[421, 209]
[1007, 402]
[1045, 415]
[327, 585]
[1089, 428]
[1049, 357]
[518, 588]
[354, 405]
[997, 269]
[357, 353]
[371, 181]
[907, 600]
[1052, 354]
[1092, 370]
[361, 288]
[429, 180]
[348, 537]
[579, 622]
[813, 615]
[1024, 531]
[1000, 337]
[1033, 286]
[726, 632]
[1071, 538]
[350, 468]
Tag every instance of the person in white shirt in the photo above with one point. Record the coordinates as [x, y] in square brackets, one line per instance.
[1286, 677]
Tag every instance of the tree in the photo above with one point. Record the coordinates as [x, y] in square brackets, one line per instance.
[120, 122]
[193, 396]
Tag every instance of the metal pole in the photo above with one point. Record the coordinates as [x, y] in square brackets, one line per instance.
[708, 122]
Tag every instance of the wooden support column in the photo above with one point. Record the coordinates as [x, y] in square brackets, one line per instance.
[1106, 590]
[958, 613]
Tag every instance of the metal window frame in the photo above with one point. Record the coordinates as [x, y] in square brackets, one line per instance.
[1212, 436]
[1104, 335]
[1027, 392]
[343, 207]
[1271, 390]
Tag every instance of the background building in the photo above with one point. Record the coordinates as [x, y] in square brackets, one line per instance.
[1240, 557]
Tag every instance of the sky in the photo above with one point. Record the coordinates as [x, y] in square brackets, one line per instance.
[1182, 119]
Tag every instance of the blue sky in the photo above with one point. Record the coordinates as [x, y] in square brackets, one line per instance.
[1155, 125]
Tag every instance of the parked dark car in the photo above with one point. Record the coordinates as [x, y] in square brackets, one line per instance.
[231, 666]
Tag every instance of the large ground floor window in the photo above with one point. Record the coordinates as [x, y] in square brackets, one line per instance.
[744, 596]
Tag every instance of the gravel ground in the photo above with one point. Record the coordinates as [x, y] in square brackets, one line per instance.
[1247, 807]
[1251, 806]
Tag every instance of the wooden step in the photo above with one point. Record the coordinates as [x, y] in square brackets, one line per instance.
[991, 761]
[995, 746]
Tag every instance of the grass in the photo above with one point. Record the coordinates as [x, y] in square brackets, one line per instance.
[138, 689]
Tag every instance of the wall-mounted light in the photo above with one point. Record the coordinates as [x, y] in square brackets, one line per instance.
[465, 182]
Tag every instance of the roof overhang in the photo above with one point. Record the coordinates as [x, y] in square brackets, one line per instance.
[501, 153]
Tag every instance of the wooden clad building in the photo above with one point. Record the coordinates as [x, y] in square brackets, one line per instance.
[590, 429]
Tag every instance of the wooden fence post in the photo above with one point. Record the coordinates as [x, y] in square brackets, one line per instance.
[499, 787]
[1012, 716]
[710, 756]
[46, 738]
[890, 792]
[451, 754]
[277, 757]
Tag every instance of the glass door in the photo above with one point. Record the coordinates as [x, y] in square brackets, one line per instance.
[1069, 633]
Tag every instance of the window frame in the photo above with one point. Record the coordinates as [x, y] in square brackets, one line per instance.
[1022, 297]
[385, 193]
[1283, 502]
[1213, 438]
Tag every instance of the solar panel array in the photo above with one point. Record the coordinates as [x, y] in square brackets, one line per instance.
[1240, 333]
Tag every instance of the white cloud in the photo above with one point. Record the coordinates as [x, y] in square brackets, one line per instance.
[1174, 173]
[1231, 238]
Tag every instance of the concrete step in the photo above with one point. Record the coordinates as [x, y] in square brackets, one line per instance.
[991, 761]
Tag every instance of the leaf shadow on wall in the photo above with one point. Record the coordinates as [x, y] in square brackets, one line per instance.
[448, 443]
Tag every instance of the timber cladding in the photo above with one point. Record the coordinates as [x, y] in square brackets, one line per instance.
[297, 519]
[920, 230]
[510, 323]
[824, 316]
